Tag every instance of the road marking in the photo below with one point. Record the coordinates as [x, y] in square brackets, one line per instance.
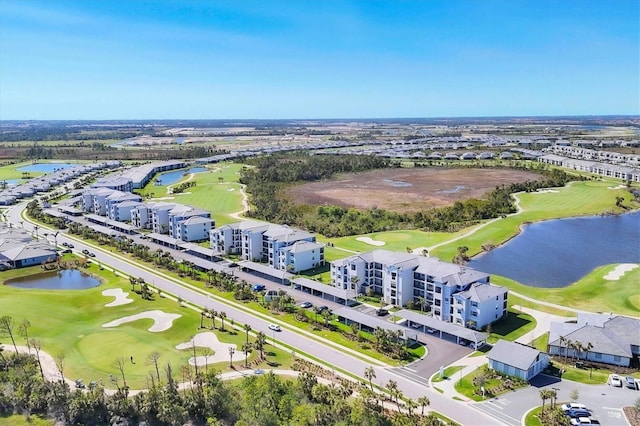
[493, 411]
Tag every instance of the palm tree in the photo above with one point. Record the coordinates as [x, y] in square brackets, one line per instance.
[203, 314]
[232, 351]
[392, 386]
[424, 402]
[261, 340]
[544, 395]
[411, 405]
[246, 348]
[569, 344]
[247, 329]
[370, 374]
[222, 316]
[213, 313]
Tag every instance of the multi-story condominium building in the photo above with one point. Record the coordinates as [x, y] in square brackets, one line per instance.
[265, 242]
[300, 256]
[180, 213]
[452, 292]
[115, 200]
[154, 216]
[195, 228]
[116, 183]
[94, 200]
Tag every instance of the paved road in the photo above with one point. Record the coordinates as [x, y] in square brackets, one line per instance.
[457, 411]
[604, 401]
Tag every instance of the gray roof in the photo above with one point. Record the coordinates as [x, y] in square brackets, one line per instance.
[264, 269]
[602, 341]
[447, 327]
[29, 251]
[481, 292]
[513, 354]
[625, 327]
[324, 288]
[302, 246]
[374, 322]
[194, 220]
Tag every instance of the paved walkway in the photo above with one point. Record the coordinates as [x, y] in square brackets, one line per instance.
[447, 385]
[543, 323]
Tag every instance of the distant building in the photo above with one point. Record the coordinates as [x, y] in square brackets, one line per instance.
[18, 249]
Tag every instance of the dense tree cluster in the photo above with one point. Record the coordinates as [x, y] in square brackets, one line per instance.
[260, 400]
[266, 184]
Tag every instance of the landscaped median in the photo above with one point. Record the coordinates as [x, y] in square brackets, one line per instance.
[494, 384]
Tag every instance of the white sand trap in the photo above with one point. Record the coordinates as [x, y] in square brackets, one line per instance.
[161, 320]
[619, 271]
[616, 187]
[209, 340]
[371, 241]
[121, 297]
[546, 191]
[184, 193]
[162, 198]
[231, 189]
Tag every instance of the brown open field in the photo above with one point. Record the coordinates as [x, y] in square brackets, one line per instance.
[406, 190]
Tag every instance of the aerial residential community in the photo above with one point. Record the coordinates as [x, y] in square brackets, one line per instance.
[325, 213]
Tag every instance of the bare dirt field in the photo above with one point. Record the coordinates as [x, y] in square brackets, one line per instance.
[406, 190]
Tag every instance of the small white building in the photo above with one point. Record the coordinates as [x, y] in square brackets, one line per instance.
[515, 359]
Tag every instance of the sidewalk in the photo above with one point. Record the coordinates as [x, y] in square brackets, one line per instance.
[447, 385]
[543, 323]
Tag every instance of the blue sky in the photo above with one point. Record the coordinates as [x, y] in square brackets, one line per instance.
[134, 59]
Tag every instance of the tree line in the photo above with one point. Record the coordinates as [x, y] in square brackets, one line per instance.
[266, 184]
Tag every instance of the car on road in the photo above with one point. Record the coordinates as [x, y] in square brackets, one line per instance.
[630, 382]
[90, 254]
[323, 308]
[573, 406]
[66, 251]
[68, 245]
[258, 287]
[306, 305]
[85, 251]
[274, 327]
[614, 380]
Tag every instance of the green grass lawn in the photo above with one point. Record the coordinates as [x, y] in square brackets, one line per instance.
[70, 322]
[394, 240]
[532, 417]
[466, 387]
[516, 300]
[540, 342]
[591, 293]
[511, 326]
[20, 420]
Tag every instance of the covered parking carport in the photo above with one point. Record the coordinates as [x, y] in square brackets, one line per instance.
[328, 292]
[264, 271]
[369, 323]
[444, 330]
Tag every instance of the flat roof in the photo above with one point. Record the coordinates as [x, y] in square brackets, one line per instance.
[190, 247]
[328, 289]
[264, 269]
[107, 231]
[164, 238]
[96, 218]
[54, 213]
[447, 327]
[374, 322]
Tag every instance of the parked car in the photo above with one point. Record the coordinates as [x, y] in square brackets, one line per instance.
[381, 312]
[306, 305]
[614, 380]
[66, 251]
[630, 382]
[323, 308]
[573, 406]
[274, 327]
[430, 330]
[574, 414]
[581, 421]
[463, 342]
[258, 287]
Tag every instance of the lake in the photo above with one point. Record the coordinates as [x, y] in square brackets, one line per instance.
[67, 279]
[173, 177]
[45, 167]
[557, 253]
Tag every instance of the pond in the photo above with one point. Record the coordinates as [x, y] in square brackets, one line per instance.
[45, 167]
[174, 176]
[68, 279]
[557, 253]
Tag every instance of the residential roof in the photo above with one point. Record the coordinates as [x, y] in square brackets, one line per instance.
[29, 251]
[513, 354]
[302, 246]
[264, 269]
[481, 292]
[194, 220]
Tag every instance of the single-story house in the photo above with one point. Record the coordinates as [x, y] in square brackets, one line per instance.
[518, 360]
[611, 339]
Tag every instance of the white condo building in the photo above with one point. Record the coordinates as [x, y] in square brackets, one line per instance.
[454, 293]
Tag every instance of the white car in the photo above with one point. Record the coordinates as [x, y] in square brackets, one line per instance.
[615, 380]
[573, 406]
[274, 327]
[580, 421]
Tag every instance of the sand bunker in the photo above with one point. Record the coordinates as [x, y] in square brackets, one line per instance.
[209, 340]
[121, 297]
[619, 271]
[162, 198]
[546, 191]
[161, 320]
[616, 187]
[231, 189]
[371, 241]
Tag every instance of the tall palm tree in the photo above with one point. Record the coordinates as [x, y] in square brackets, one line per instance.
[261, 340]
[424, 402]
[246, 348]
[569, 344]
[370, 374]
[247, 329]
[213, 313]
[232, 351]
[222, 316]
[392, 387]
